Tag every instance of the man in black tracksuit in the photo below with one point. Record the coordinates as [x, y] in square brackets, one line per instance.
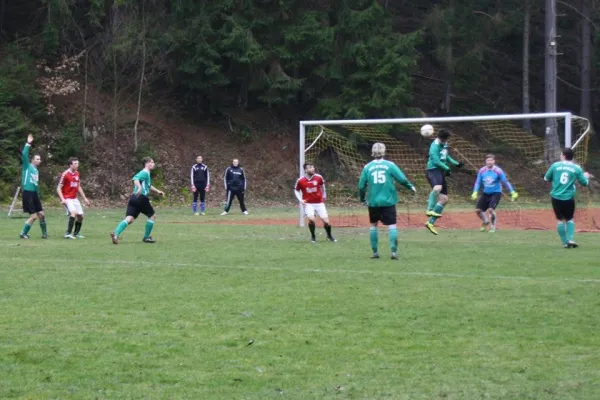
[235, 185]
[200, 180]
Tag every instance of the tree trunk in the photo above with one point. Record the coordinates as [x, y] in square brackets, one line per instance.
[552, 143]
[114, 117]
[526, 36]
[586, 60]
[449, 73]
[142, 77]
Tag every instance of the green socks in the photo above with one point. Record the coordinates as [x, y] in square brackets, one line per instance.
[438, 209]
[433, 197]
[26, 228]
[394, 239]
[570, 230]
[374, 238]
[149, 226]
[43, 226]
[121, 227]
[560, 228]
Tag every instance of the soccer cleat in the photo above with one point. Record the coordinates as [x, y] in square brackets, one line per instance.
[245, 213]
[331, 239]
[484, 226]
[492, 229]
[114, 237]
[69, 236]
[148, 240]
[313, 239]
[24, 236]
[565, 246]
[394, 256]
[202, 213]
[431, 228]
[196, 214]
[572, 245]
[224, 213]
[432, 213]
[45, 236]
[375, 256]
[79, 236]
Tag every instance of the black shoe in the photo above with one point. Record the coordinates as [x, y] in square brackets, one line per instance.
[375, 256]
[149, 240]
[45, 236]
[313, 239]
[394, 256]
[24, 236]
[572, 245]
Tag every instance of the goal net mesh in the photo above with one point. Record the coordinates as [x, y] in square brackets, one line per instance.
[341, 151]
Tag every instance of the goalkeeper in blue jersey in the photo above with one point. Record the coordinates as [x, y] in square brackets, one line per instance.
[493, 179]
[437, 171]
[563, 174]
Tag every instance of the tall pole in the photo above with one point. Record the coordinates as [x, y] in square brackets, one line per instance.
[552, 144]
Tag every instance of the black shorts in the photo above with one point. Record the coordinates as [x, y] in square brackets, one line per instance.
[563, 209]
[387, 215]
[489, 200]
[31, 202]
[437, 177]
[139, 205]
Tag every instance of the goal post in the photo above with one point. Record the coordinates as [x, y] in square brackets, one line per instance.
[340, 148]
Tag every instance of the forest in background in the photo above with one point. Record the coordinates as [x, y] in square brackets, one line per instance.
[207, 61]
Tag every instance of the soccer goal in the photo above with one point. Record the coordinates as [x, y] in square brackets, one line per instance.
[521, 143]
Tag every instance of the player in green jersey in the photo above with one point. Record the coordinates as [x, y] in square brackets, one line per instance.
[437, 171]
[564, 174]
[29, 183]
[379, 176]
[140, 203]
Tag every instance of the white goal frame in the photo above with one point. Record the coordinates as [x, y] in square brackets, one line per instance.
[568, 137]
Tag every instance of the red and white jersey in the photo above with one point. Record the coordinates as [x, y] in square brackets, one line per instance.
[69, 182]
[313, 189]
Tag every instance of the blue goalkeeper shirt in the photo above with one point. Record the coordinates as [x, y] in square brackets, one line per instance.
[492, 179]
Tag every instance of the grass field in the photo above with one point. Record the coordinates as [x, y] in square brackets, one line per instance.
[216, 311]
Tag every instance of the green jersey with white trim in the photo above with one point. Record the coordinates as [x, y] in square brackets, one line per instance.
[144, 177]
[563, 175]
[30, 175]
[379, 176]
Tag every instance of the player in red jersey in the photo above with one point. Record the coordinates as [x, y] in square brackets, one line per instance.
[68, 187]
[310, 191]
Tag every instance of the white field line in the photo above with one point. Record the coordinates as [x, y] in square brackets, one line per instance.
[73, 264]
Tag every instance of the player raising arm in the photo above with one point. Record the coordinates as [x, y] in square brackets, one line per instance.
[30, 184]
[69, 185]
[492, 177]
[563, 174]
[310, 192]
[437, 171]
[140, 203]
[377, 179]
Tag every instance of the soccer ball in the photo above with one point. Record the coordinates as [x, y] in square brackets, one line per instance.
[426, 130]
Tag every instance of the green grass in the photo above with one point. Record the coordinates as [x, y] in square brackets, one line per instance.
[230, 312]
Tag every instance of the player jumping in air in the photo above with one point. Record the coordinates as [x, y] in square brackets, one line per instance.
[310, 192]
[69, 185]
[200, 179]
[492, 177]
[563, 174]
[379, 176]
[140, 203]
[437, 171]
[29, 183]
